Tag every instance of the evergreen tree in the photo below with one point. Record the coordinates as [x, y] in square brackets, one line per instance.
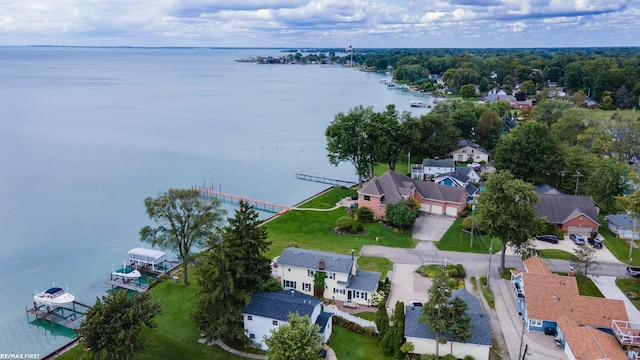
[460, 322]
[436, 313]
[382, 318]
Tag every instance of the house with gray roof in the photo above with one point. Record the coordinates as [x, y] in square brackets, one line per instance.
[463, 177]
[296, 268]
[431, 168]
[467, 150]
[391, 187]
[622, 225]
[576, 214]
[267, 311]
[424, 342]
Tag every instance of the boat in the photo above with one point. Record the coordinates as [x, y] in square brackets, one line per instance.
[126, 272]
[418, 103]
[54, 296]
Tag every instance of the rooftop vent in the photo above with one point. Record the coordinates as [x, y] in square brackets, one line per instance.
[321, 264]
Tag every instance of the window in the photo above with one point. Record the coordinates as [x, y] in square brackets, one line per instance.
[331, 276]
[252, 336]
[290, 284]
[536, 323]
[310, 272]
[249, 317]
[275, 322]
[306, 287]
[367, 198]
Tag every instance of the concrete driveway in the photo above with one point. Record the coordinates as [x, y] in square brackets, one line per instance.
[407, 285]
[431, 227]
[602, 255]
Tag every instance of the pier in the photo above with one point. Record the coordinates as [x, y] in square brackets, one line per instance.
[257, 204]
[60, 315]
[324, 180]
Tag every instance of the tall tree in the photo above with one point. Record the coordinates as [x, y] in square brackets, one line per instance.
[296, 340]
[386, 133]
[551, 110]
[585, 260]
[506, 211]
[466, 121]
[488, 130]
[529, 152]
[112, 325]
[438, 136]
[436, 312]
[608, 179]
[460, 321]
[184, 222]
[347, 140]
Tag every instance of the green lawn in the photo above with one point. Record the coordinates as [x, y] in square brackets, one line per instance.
[352, 346]
[618, 247]
[630, 285]
[176, 336]
[556, 254]
[367, 315]
[457, 240]
[373, 263]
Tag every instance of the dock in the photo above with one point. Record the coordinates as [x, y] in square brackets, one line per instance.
[69, 317]
[324, 180]
[257, 204]
[143, 284]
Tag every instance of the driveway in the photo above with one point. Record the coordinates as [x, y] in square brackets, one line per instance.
[431, 227]
[407, 285]
[608, 288]
[602, 255]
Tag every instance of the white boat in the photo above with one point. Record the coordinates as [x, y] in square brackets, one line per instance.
[54, 296]
[126, 272]
[418, 103]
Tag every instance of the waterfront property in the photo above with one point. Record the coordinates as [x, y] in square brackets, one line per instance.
[267, 311]
[429, 168]
[296, 268]
[391, 187]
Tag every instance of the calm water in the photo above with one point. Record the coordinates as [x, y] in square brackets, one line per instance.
[87, 134]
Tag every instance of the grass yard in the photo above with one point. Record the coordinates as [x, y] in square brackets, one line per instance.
[352, 346]
[556, 254]
[630, 285]
[314, 229]
[618, 247]
[373, 263]
[457, 240]
[176, 335]
[367, 315]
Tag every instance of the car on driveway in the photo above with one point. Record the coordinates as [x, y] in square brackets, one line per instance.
[577, 239]
[548, 238]
[595, 242]
[633, 271]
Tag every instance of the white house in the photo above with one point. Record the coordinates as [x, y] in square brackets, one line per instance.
[424, 342]
[469, 151]
[296, 269]
[621, 225]
[431, 168]
[267, 311]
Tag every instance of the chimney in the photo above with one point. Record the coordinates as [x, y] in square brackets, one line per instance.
[321, 264]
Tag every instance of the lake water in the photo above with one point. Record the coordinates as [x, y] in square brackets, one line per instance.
[87, 134]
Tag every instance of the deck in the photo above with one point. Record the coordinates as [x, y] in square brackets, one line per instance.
[68, 316]
[627, 332]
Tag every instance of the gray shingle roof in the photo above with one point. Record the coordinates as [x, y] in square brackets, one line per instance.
[393, 187]
[547, 189]
[310, 259]
[278, 305]
[322, 320]
[473, 304]
[559, 208]
[449, 163]
[458, 175]
[621, 220]
[465, 143]
[364, 281]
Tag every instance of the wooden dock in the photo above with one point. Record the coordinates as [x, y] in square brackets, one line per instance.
[60, 315]
[324, 180]
[257, 204]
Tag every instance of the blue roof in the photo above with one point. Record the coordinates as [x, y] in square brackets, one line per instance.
[364, 280]
[322, 320]
[278, 305]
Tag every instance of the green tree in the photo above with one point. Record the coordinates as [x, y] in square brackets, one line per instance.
[488, 130]
[438, 135]
[570, 125]
[435, 313]
[318, 283]
[402, 215]
[549, 111]
[528, 87]
[585, 260]
[607, 180]
[184, 221]
[382, 318]
[530, 152]
[296, 340]
[460, 321]
[468, 91]
[506, 211]
[112, 325]
[391, 138]
[391, 342]
[466, 121]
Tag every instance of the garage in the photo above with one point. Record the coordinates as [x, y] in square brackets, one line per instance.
[425, 208]
[452, 211]
[582, 230]
[436, 209]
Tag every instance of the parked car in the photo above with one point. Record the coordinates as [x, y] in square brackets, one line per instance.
[415, 303]
[633, 271]
[595, 242]
[548, 238]
[577, 239]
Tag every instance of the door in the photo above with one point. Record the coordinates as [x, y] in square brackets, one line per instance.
[348, 295]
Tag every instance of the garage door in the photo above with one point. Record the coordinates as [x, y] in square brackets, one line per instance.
[436, 209]
[582, 230]
[452, 211]
[425, 208]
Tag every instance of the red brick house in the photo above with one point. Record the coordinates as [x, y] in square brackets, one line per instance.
[570, 213]
[391, 187]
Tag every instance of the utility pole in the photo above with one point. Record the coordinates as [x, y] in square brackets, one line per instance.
[524, 322]
[577, 175]
[490, 256]
[473, 211]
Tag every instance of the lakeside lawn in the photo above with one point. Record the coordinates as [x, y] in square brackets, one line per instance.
[352, 346]
[618, 247]
[314, 229]
[457, 240]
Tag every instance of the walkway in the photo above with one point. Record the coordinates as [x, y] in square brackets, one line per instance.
[608, 288]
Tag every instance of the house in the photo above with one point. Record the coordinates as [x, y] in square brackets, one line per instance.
[391, 187]
[297, 267]
[478, 346]
[469, 151]
[463, 177]
[268, 310]
[585, 342]
[622, 226]
[546, 300]
[431, 168]
[498, 95]
[547, 189]
[570, 213]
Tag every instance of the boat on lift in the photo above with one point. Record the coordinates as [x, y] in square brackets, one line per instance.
[126, 272]
[54, 296]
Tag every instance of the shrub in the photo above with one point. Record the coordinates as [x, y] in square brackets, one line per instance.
[460, 284]
[402, 215]
[466, 223]
[483, 280]
[469, 357]
[364, 214]
[353, 230]
[358, 329]
[448, 357]
[452, 283]
[432, 275]
[452, 272]
[291, 244]
[344, 222]
[461, 272]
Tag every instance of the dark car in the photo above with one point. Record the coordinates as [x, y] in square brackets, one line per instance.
[595, 242]
[577, 239]
[548, 238]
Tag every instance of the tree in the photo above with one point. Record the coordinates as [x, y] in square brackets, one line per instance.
[607, 180]
[466, 121]
[402, 215]
[549, 111]
[488, 130]
[184, 222]
[461, 325]
[391, 342]
[318, 283]
[296, 340]
[438, 136]
[435, 313]
[585, 260]
[382, 318]
[112, 325]
[506, 211]
[528, 87]
[347, 140]
[468, 91]
[529, 152]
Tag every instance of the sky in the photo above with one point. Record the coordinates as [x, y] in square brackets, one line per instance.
[322, 23]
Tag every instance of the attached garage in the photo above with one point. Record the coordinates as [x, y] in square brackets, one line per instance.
[452, 211]
[582, 230]
[425, 208]
[436, 209]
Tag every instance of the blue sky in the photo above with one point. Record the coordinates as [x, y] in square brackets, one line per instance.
[322, 23]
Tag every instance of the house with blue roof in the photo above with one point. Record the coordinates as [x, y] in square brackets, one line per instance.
[295, 268]
[463, 177]
[267, 311]
[424, 342]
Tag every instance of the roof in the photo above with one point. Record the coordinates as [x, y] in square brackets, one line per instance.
[621, 220]
[473, 304]
[149, 256]
[481, 330]
[589, 343]
[278, 305]
[560, 208]
[364, 280]
[465, 143]
[393, 187]
[535, 265]
[439, 163]
[322, 320]
[310, 259]
[547, 189]
[454, 174]
[466, 170]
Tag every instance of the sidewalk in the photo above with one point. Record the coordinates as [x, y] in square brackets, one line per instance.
[608, 288]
